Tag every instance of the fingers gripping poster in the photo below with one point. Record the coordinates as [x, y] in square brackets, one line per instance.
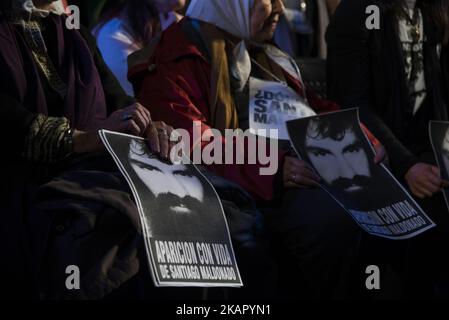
[439, 138]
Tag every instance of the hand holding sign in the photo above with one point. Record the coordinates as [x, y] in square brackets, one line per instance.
[299, 174]
[424, 180]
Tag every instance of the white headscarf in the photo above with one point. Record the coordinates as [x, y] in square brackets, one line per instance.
[229, 15]
[29, 7]
[233, 16]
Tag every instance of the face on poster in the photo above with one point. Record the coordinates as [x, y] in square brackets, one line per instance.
[439, 137]
[337, 148]
[184, 227]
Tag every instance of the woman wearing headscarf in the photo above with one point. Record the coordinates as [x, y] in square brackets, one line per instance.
[398, 76]
[130, 27]
[56, 94]
[199, 71]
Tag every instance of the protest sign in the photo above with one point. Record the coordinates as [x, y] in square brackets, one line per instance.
[184, 227]
[336, 147]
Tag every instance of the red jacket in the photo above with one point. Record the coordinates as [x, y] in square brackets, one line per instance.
[174, 84]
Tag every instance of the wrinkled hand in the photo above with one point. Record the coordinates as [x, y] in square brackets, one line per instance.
[158, 135]
[133, 120]
[425, 180]
[298, 174]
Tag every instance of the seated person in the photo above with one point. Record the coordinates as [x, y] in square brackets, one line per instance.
[130, 27]
[191, 76]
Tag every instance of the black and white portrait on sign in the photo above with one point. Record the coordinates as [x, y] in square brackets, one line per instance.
[175, 193]
[439, 137]
[182, 217]
[336, 147]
